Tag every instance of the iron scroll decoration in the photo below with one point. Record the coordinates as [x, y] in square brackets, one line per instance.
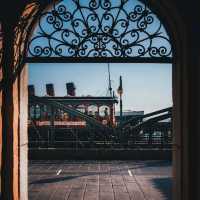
[99, 28]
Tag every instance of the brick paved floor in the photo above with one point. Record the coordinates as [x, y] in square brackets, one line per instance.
[100, 180]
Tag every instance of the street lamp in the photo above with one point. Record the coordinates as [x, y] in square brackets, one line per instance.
[120, 92]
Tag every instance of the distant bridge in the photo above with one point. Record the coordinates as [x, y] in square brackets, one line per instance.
[149, 130]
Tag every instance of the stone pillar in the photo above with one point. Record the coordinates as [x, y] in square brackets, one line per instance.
[10, 119]
[23, 136]
[13, 96]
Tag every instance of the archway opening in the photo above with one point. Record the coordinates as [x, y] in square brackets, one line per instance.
[106, 33]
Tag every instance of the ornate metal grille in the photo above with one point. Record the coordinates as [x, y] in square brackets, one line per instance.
[101, 29]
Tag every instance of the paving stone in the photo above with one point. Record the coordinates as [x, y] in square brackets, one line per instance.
[99, 180]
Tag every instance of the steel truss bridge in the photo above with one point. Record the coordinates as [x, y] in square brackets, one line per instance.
[152, 130]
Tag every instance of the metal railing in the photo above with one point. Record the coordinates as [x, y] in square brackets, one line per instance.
[91, 138]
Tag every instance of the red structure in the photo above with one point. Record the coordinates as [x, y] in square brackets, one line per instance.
[101, 109]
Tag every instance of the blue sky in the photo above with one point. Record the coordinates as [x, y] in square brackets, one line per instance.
[128, 26]
[146, 87]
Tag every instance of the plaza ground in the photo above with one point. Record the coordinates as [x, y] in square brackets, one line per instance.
[100, 180]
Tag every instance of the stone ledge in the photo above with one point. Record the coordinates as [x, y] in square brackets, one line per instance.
[100, 154]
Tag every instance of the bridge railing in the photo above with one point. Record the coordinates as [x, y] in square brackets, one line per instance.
[93, 138]
[134, 133]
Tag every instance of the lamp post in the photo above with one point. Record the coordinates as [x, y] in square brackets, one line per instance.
[120, 92]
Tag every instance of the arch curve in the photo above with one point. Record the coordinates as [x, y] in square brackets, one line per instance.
[171, 23]
[100, 29]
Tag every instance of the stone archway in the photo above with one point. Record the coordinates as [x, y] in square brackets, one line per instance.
[14, 86]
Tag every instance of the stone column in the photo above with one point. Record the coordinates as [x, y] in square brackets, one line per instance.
[23, 136]
[10, 119]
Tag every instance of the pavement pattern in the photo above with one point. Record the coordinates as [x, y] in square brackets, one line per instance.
[100, 180]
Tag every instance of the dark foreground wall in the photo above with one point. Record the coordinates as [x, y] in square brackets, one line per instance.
[100, 154]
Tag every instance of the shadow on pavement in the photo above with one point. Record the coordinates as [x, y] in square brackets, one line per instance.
[164, 185]
[53, 180]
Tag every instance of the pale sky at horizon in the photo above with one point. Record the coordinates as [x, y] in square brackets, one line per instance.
[146, 87]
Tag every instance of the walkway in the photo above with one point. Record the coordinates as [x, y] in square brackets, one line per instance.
[100, 180]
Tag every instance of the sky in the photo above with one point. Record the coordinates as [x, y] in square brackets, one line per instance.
[147, 87]
[63, 35]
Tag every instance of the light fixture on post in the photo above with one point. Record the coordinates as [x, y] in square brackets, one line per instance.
[120, 92]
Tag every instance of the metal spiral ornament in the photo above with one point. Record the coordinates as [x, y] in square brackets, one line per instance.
[99, 28]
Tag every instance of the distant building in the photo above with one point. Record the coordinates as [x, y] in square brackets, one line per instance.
[127, 114]
[101, 108]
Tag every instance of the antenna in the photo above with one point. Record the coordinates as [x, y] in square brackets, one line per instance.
[109, 83]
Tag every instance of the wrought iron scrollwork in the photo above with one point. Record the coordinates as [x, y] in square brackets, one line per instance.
[99, 28]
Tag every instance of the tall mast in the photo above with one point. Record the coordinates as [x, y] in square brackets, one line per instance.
[109, 80]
